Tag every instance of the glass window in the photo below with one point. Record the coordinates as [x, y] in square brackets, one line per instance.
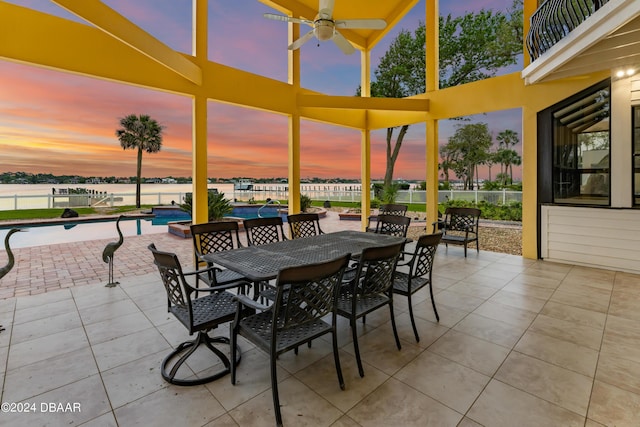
[636, 156]
[581, 150]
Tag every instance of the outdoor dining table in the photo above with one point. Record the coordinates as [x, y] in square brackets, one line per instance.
[262, 263]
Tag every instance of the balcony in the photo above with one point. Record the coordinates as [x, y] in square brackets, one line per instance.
[570, 38]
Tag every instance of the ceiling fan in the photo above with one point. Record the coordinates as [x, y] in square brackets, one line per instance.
[326, 28]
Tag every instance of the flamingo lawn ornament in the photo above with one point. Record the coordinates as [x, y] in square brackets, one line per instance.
[109, 250]
[4, 270]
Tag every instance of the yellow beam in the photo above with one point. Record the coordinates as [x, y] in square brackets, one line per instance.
[364, 103]
[119, 27]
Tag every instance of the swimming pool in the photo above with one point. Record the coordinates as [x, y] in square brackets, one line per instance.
[251, 211]
[95, 229]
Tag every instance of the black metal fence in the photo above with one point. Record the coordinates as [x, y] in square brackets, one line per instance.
[554, 20]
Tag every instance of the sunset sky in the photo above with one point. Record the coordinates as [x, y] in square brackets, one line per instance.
[53, 122]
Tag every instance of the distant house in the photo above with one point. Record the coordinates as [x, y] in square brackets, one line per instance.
[169, 181]
[153, 181]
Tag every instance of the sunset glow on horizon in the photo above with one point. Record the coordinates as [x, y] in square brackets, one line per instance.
[64, 124]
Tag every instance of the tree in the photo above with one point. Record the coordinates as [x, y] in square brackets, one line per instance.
[467, 149]
[142, 133]
[472, 47]
[506, 156]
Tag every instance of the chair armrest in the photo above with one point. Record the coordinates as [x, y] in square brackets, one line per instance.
[244, 300]
[202, 270]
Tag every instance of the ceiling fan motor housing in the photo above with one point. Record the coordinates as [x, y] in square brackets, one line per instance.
[324, 29]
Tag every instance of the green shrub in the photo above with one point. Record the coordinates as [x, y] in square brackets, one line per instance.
[305, 202]
[218, 207]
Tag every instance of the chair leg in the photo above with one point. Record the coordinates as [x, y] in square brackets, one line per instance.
[190, 347]
[233, 341]
[356, 348]
[465, 249]
[336, 358]
[393, 325]
[413, 322]
[433, 302]
[274, 389]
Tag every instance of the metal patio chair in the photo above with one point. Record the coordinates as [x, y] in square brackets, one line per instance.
[198, 315]
[420, 269]
[211, 237]
[261, 231]
[370, 290]
[304, 225]
[305, 297]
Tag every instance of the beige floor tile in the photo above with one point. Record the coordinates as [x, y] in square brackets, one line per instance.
[41, 300]
[491, 330]
[108, 311]
[396, 404]
[486, 281]
[105, 420]
[323, 379]
[133, 380]
[552, 383]
[472, 289]
[171, 406]
[8, 305]
[626, 305]
[252, 378]
[43, 327]
[449, 316]
[613, 406]
[474, 353]
[117, 327]
[619, 372]
[528, 278]
[31, 380]
[428, 331]
[531, 290]
[505, 272]
[602, 279]
[622, 338]
[117, 351]
[300, 406]
[514, 316]
[518, 301]
[448, 382]
[501, 405]
[378, 348]
[583, 296]
[90, 296]
[28, 352]
[581, 316]
[584, 336]
[559, 352]
[88, 395]
[44, 311]
[458, 301]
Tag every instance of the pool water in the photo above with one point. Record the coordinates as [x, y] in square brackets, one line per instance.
[48, 234]
[251, 211]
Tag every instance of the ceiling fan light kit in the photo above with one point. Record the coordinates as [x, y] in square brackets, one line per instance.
[324, 27]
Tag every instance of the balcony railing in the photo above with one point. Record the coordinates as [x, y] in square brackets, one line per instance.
[554, 20]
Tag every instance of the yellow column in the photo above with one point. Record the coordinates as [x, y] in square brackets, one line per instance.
[200, 211]
[294, 126]
[529, 182]
[365, 141]
[432, 85]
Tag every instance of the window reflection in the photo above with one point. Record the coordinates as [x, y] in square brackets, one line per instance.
[581, 150]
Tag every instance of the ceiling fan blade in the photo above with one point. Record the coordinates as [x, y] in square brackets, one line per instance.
[374, 24]
[302, 40]
[325, 8]
[287, 19]
[344, 44]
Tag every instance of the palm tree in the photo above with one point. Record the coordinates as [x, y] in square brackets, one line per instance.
[142, 133]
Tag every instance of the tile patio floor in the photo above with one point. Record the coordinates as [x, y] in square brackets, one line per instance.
[519, 343]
